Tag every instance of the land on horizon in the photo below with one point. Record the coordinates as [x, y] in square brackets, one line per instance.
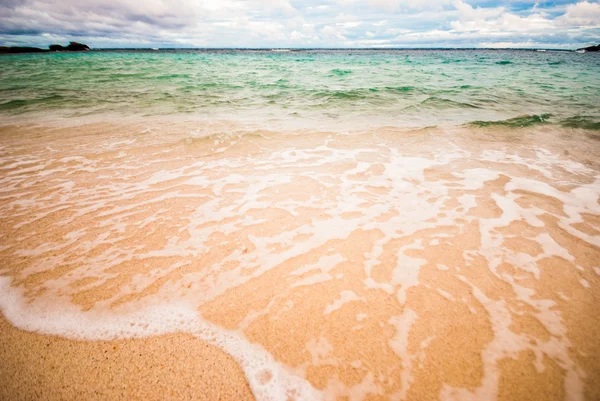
[29, 49]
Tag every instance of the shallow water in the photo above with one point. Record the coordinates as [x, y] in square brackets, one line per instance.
[448, 263]
[335, 89]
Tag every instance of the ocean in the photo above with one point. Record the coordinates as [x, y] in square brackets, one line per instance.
[307, 88]
[343, 224]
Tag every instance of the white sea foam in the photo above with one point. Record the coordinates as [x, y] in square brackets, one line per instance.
[330, 221]
[69, 322]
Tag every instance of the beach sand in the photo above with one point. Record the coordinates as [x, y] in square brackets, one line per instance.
[431, 264]
[175, 366]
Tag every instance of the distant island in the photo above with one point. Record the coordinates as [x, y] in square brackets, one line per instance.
[71, 47]
[78, 47]
[590, 49]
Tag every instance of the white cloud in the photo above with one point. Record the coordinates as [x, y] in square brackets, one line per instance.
[343, 17]
[469, 13]
[280, 5]
[495, 22]
[332, 32]
[295, 35]
[389, 5]
[394, 5]
[580, 14]
[350, 24]
[511, 45]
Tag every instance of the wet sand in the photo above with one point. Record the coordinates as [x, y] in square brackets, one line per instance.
[389, 264]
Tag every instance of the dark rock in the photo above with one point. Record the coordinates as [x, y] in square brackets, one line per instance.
[591, 48]
[72, 47]
[76, 47]
[19, 49]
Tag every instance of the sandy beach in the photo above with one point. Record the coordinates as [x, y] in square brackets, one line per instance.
[177, 366]
[285, 200]
[142, 262]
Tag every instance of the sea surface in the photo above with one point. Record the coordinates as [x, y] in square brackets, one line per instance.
[346, 225]
[335, 88]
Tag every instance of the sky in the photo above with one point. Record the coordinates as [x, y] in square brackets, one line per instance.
[301, 23]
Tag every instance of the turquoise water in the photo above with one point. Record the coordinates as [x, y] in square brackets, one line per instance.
[412, 88]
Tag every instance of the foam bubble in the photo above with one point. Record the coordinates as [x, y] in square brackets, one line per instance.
[236, 239]
[268, 379]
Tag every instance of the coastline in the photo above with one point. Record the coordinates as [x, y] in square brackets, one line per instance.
[455, 324]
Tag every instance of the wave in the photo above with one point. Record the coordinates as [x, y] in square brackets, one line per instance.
[583, 122]
[17, 104]
[340, 72]
[385, 94]
[171, 76]
[443, 103]
[400, 88]
[516, 122]
[577, 122]
[13, 104]
[349, 94]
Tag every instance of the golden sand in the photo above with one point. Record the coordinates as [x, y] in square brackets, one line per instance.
[432, 264]
[174, 366]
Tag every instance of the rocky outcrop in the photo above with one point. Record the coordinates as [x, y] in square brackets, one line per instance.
[76, 47]
[19, 49]
[72, 47]
[591, 48]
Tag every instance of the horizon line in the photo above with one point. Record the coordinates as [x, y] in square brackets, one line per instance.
[331, 48]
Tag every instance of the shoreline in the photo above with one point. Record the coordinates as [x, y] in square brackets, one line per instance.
[374, 264]
[206, 125]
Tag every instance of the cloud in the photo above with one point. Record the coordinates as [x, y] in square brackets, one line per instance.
[494, 21]
[389, 5]
[285, 23]
[470, 13]
[582, 14]
[333, 33]
[393, 5]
